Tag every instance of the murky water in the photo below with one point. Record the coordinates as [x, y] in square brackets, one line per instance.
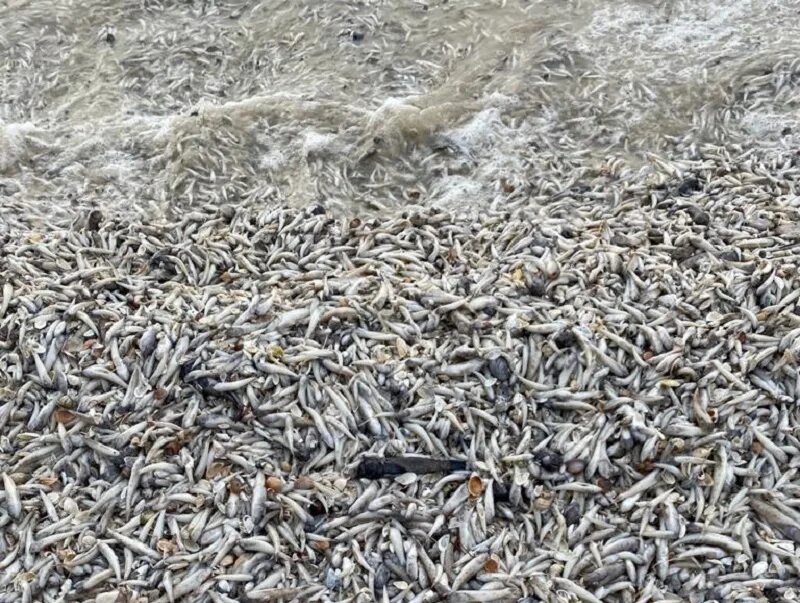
[367, 105]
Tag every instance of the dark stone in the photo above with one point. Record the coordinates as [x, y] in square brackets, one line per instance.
[564, 339]
[499, 368]
[316, 508]
[396, 389]
[699, 217]
[537, 287]
[682, 253]
[572, 514]
[381, 579]
[500, 492]
[418, 220]
[356, 36]
[730, 255]
[549, 459]
[688, 186]
[94, 220]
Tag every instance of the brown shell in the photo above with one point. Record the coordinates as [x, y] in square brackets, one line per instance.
[64, 416]
[217, 469]
[173, 447]
[303, 483]
[235, 486]
[274, 483]
[320, 545]
[166, 546]
[475, 486]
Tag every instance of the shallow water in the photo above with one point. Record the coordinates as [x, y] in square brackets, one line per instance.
[153, 106]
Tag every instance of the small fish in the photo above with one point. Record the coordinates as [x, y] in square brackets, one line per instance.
[12, 501]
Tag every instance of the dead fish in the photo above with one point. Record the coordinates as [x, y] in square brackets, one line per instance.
[376, 468]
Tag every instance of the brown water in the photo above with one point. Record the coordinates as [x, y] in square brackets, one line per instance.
[366, 105]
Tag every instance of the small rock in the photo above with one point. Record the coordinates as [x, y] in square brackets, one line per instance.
[730, 255]
[576, 466]
[333, 578]
[688, 186]
[499, 368]
[572, 514]
[564, 339]
[682, 253]
[548, 459]
[227, 211]
[94, 219]
[699, 217]
[537, 287]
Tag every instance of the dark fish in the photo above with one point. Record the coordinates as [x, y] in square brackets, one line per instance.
[376, 468]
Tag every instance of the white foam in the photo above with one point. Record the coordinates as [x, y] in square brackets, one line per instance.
[764, 123]
[456, 192]
[316, 143]
[680, 37]
[273, 161]
[480, 131]
[13, 143]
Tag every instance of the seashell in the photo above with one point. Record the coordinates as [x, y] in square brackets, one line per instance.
[475, 486]
[274, 483]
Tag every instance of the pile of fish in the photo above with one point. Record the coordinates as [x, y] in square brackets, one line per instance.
[590, 400]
